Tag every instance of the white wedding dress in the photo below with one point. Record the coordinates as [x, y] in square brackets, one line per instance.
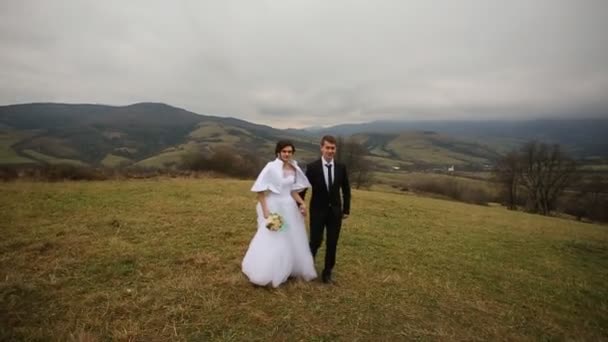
[274, 256]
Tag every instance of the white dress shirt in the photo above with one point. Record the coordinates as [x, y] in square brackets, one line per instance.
[333, 171]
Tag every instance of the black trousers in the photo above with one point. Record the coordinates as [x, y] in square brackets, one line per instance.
[330, 221]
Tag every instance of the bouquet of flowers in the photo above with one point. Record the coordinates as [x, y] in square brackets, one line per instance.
[275, 222]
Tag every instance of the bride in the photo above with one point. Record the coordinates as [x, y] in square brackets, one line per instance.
[275, 255]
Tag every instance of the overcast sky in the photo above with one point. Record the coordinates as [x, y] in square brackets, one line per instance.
[291, 63]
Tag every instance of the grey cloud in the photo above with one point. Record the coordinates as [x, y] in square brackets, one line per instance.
[297, 63]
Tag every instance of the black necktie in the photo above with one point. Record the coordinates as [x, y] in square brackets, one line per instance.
[329, 180]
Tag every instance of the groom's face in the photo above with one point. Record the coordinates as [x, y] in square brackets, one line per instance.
[328, 150]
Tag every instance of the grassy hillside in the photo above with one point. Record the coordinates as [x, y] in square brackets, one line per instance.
[8, 155]
[160, 260]
[52, 160]
[409, 179]
[89, 133]
[112, 160]
[582, 137]
[144, 134]
[427, 148]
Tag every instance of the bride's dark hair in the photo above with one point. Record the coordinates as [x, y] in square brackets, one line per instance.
[281, 144]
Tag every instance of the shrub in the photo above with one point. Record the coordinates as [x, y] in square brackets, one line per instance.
[224, 161]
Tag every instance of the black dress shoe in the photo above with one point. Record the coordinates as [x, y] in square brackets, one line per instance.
[326, 278]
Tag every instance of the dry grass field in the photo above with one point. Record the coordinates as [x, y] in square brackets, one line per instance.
[155, 260]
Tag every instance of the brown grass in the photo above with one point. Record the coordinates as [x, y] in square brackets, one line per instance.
[159, 259]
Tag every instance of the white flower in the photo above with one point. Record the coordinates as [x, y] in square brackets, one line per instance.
[274, 222]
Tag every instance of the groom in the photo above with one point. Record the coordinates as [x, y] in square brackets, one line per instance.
[327, 210]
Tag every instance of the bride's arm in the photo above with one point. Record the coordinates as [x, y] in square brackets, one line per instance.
[262, 200]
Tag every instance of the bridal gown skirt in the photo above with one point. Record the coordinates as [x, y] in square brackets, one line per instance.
[272, 256]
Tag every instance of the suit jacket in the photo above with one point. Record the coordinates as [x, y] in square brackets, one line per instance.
[322, 199]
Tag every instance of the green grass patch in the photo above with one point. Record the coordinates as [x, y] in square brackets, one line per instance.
[7, 153]
[216, 132]
[163, 159]
[52, 160]
[433, 149]
[57, 147]
[112, 160]
[414, 180]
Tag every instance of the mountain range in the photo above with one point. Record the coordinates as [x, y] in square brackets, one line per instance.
[582, 137]
[159, 135]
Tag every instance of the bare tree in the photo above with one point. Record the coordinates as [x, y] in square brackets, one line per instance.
[508, 174]
[546, 171]
[352, 154]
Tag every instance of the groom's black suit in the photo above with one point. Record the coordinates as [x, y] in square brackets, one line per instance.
[327, 208]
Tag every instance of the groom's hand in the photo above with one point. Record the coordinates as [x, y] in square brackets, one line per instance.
[303, 209]
[344, 216]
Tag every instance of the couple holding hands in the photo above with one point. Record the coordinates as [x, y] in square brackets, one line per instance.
[280, 248]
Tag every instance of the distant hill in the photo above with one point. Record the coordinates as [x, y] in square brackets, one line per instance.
[583, 137]
[151, 134]
[426, 148]
[159, 135]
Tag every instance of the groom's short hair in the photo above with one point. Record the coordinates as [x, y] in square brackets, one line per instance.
[329, 138]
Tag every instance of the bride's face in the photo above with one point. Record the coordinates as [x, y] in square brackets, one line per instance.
[286, 153]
